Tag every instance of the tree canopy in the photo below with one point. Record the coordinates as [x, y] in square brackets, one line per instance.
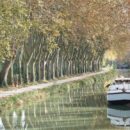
[42, 39]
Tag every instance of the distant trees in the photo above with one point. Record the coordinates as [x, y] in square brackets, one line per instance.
[42, 40]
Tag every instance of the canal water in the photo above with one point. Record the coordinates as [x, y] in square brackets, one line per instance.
[80, 108]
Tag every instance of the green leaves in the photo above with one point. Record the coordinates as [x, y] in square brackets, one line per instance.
[14, 26]
[72, 21]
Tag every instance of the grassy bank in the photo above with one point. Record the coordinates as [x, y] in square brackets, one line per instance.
[94, 84]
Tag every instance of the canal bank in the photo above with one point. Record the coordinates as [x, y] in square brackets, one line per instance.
[27, 95]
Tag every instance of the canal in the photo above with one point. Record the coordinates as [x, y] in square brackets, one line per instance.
[79, 108]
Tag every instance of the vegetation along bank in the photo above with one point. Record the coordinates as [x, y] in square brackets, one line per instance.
[95, 84]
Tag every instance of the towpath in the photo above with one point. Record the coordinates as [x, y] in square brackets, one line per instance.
[49, 84]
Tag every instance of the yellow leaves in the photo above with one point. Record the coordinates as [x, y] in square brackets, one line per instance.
[51, 44]
[61, 19]
[14, 25]
[61, 22]
[4, 48]
[55, 33]
[110, 55]
[74, 21]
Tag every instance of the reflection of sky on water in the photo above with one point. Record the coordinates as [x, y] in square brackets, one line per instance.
[23, 120]
[1, 124]
[17, 121]
[14, 119]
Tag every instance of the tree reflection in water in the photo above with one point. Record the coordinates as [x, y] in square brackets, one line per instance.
[86, 110]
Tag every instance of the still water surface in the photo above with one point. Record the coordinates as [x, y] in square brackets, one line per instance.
[77, 109]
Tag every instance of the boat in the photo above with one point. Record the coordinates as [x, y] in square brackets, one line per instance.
[119, 91]
[119, 115]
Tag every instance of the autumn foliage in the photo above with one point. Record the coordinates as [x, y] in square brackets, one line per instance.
[45, 39]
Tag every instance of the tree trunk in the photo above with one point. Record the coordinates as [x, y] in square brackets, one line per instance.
[12, 73]
[61, 67]
[44, 70]
[85, 65]
[4, 73]
[27, 68]
[50, 70]
[34, 71]
[57, 63]
[27, 74]
[20, 65]
[36, 56]
[76, 67]
[53, 70]
[65, 70]
[68, 67]
[39, 69]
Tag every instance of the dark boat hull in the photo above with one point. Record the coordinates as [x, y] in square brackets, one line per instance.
[119, 102]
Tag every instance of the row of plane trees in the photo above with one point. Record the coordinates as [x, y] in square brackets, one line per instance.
[44, 40]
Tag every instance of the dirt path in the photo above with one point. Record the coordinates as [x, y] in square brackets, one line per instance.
[46, 85]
